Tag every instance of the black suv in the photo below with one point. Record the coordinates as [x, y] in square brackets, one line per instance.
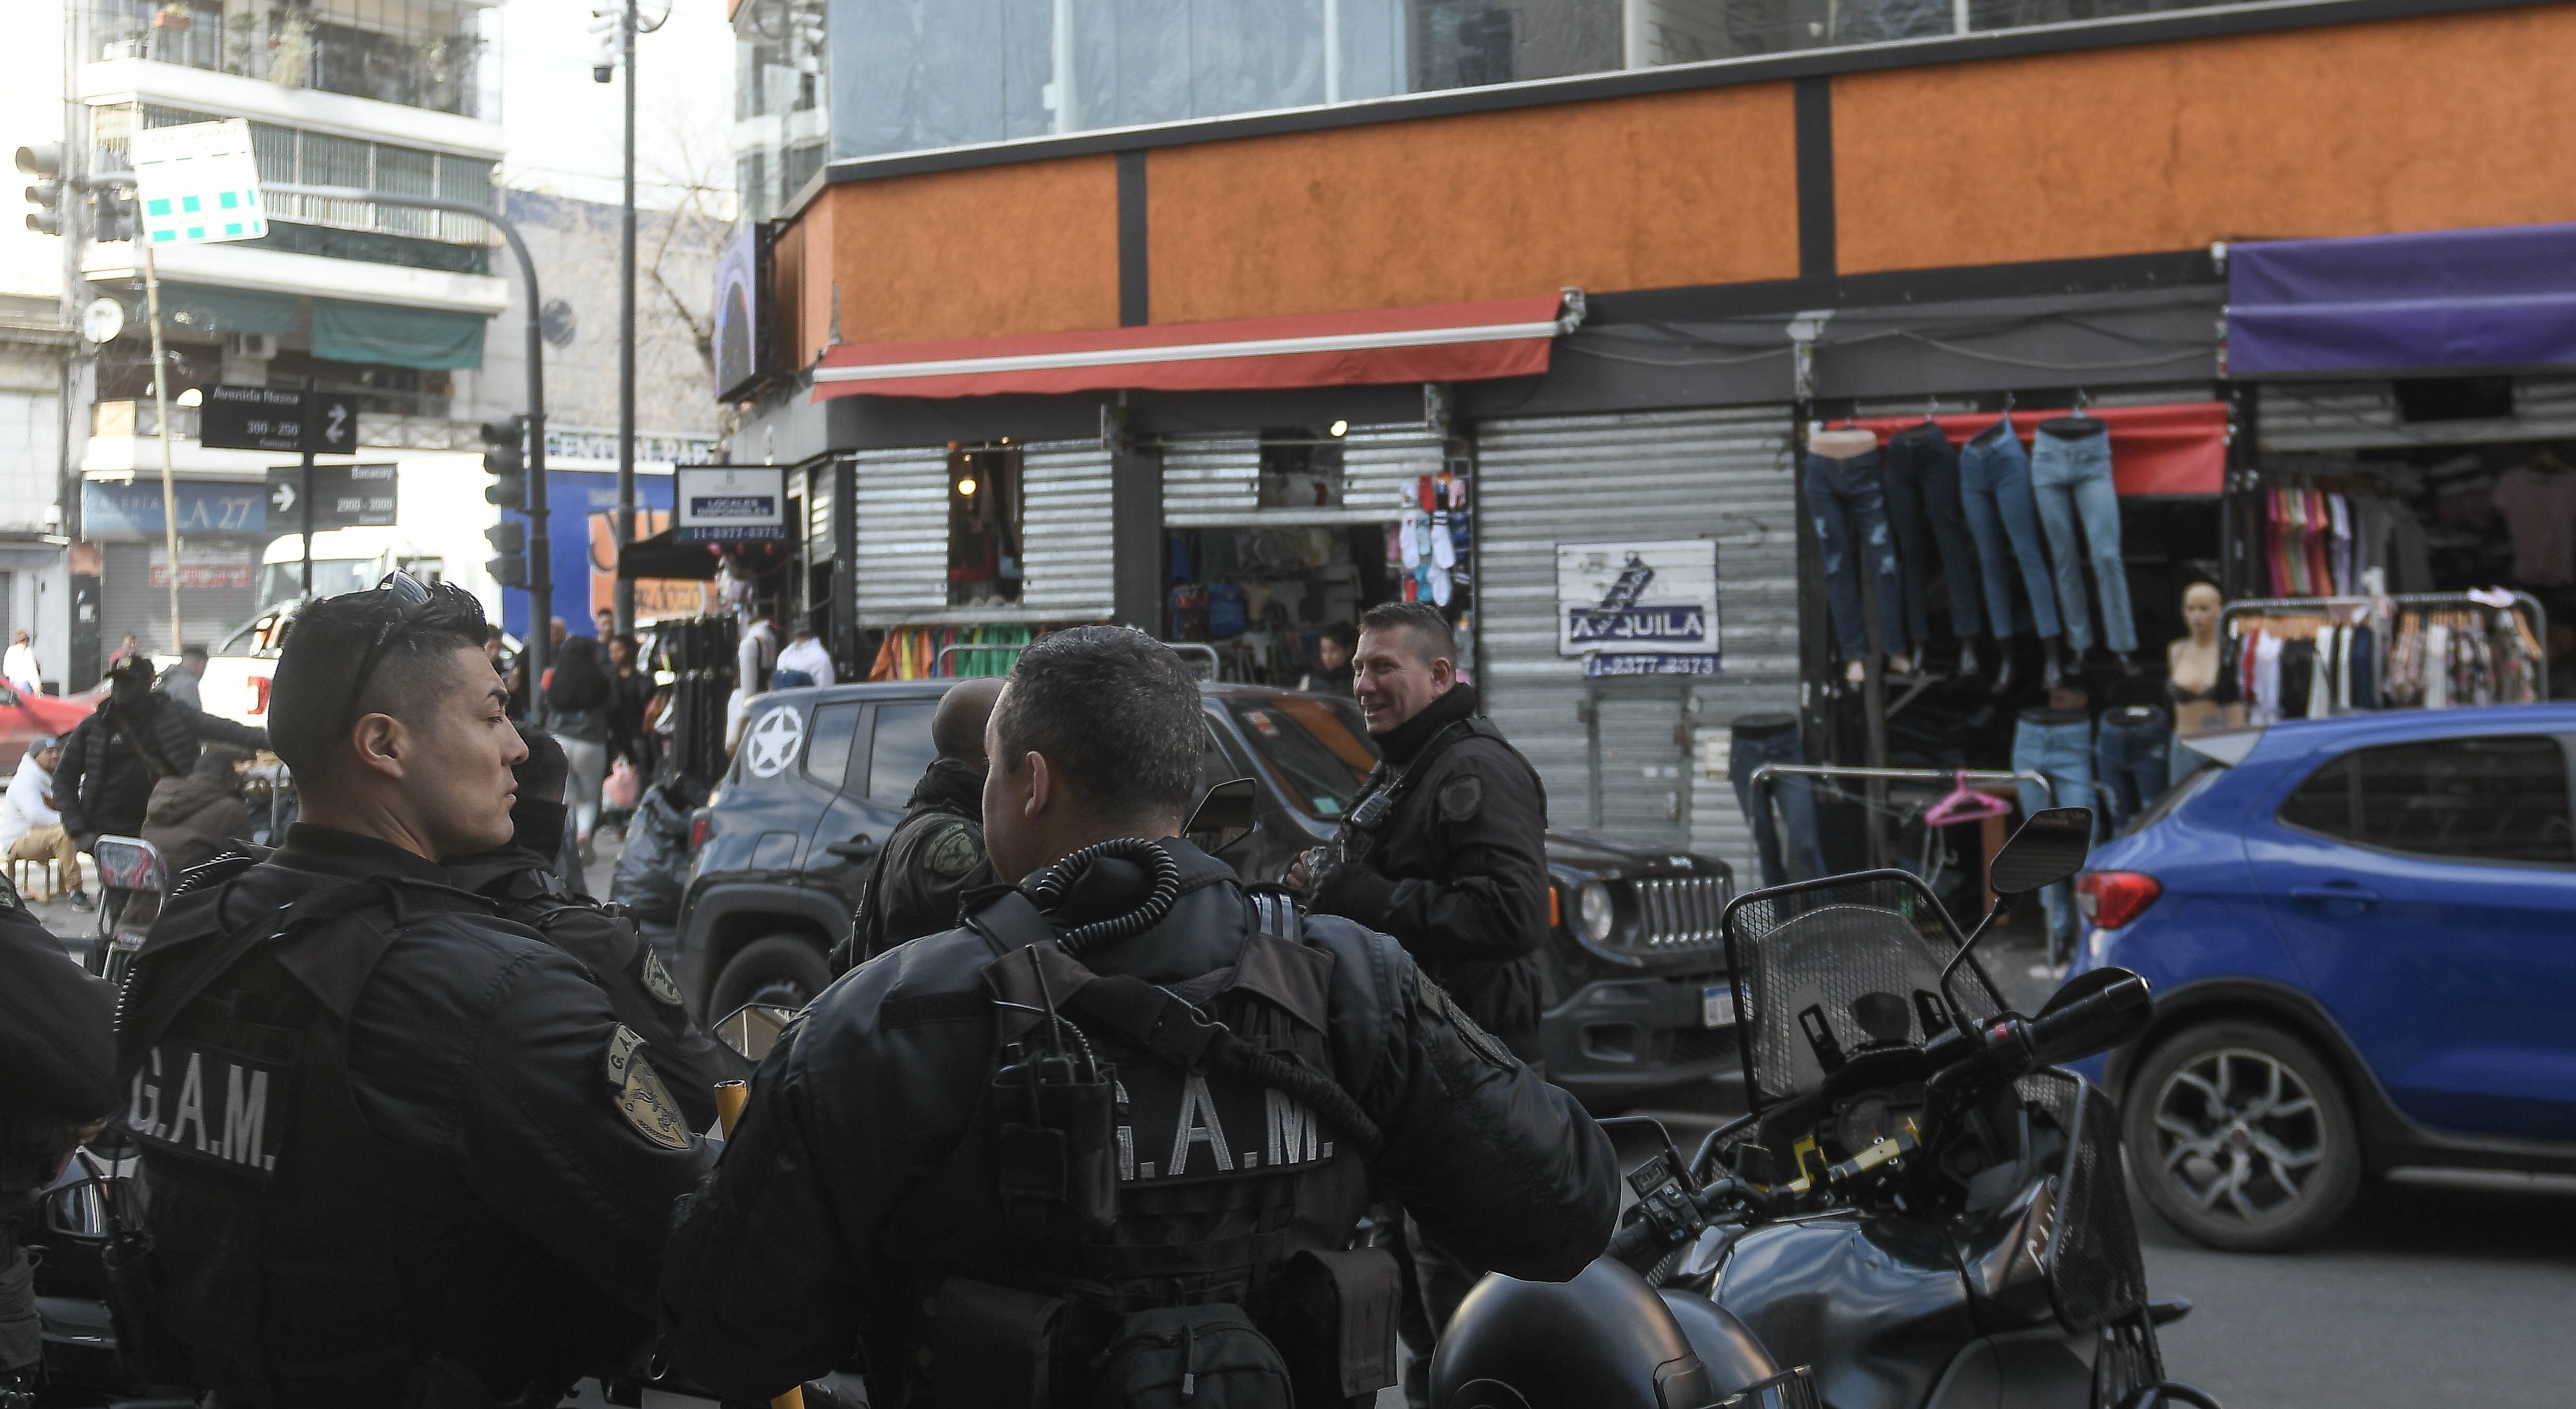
[1636, 976]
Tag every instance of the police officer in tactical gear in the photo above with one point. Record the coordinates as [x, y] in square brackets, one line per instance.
[936, 853]
[400, 1149]
[1110, 1138]
[522, 879]
[1445, 849]
[57, 1089]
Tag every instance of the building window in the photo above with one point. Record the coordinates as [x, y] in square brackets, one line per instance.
[417, 53]
[288, 156]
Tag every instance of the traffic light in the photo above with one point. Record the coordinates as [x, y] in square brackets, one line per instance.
[44, 161]
[113, 215]
[510, 538]
[506, 462]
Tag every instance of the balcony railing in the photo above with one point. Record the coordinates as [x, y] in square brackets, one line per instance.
[417, 53]
[287, 157]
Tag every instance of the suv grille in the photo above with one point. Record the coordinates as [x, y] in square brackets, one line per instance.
[1677, 912]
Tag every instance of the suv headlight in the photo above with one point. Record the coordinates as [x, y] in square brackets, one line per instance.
[1592, 908]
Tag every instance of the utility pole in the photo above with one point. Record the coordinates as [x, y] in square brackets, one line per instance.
[626, 20]
[161, 403]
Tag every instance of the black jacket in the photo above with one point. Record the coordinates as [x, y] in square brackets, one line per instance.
[933, 856]
[57, 1056]
[104, 784]
[1457, 872]
[616, 957]
[477, 1168]
[789, 1250]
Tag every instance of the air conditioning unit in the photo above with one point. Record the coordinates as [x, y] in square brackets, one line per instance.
[256, 347]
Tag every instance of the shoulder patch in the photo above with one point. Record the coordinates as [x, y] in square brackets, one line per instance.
[657, 979]
[1461, 797]
[952, 853]
[640, 1095]
[1484, 1044]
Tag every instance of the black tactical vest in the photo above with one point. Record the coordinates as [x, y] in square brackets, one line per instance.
[1113, 1165]
[299, 1258]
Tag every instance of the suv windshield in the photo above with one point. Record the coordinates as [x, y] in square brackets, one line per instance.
[1316, 745]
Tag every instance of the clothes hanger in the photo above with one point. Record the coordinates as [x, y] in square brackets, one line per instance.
[1964, 804]
[2077, 423]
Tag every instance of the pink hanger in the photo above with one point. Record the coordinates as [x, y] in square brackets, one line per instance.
[1964, 804]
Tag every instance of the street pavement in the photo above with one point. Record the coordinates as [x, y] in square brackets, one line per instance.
[2425, 1298]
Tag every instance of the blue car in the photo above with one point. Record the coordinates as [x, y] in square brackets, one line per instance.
[2362, 936]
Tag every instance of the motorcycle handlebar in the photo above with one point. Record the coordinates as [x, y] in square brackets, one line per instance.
[2094, 1023]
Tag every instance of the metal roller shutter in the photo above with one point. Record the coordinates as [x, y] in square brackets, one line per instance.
[2364, 416]
[1633, 768]
[903, 534]
[128, 602]
[1210, 481]
[1065, 529]
[1380, 465]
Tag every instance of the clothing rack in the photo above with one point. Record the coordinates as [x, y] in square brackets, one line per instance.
[2299, 618]
[1764, 776]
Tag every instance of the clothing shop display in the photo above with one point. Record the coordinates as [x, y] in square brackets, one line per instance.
[2070, 483]
[1994, 488]
[1773, 738]
[2132, 763]
[2057, 744]
[1848, 509]
[1924, 508]
[2537, 500]
[2418, 652]
[2320, 536]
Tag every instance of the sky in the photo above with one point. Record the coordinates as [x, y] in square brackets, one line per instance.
[565, 131]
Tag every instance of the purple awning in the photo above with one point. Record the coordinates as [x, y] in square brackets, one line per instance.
[2449, 300]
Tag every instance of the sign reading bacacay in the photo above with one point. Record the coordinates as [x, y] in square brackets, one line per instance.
[1639, 608]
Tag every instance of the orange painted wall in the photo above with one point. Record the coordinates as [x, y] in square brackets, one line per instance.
[2402, 125]
[1686, 188]
[1010, 249]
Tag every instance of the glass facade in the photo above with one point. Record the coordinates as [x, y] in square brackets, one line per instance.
[418, 53]
[899, 76]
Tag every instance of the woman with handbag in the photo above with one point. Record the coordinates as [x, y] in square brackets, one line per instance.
[579, 701]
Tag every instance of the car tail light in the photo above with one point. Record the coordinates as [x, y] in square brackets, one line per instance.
[259, 694]
[701, 827]
[2111, 899]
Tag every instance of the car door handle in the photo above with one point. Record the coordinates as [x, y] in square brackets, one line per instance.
[2346, 893]
[855, 848]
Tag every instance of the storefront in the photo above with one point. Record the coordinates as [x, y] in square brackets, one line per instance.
[223, 528]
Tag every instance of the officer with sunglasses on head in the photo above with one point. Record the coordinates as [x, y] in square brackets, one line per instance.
[401, 1150]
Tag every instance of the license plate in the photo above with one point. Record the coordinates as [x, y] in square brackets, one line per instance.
[1717, 1006]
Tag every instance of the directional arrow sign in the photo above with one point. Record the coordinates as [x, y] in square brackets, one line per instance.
[344, 496]
[331, 423]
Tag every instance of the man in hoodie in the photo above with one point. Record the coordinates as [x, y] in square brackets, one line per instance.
[936, 853]
[134, 739]
[200, 817]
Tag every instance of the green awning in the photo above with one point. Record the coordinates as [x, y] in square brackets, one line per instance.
[203, 309]
[396, 336]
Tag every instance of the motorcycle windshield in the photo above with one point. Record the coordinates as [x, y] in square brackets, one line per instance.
[1841, 967]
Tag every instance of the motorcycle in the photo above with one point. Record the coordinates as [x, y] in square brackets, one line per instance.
[1921, 1209]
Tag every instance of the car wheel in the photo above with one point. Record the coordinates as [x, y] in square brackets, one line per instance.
[2241, 1136]
[782, 970]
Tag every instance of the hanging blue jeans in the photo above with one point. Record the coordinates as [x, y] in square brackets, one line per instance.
[2071, 480]
[1923, 505]
[2061, 752]
[1994, 487]
[1797, 803]
[1849, 510]
[2132, 748]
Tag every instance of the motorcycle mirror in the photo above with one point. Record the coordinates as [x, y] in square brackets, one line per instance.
[1225, 815]
[2050, 847]
[752, 1029]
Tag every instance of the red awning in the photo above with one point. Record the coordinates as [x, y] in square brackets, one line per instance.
[2177, 448]
[1449, 342]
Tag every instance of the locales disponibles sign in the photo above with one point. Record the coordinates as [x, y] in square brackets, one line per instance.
[731, 503]
[1638, 608]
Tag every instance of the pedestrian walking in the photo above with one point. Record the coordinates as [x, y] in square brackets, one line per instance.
[580, 700]
[136, 739]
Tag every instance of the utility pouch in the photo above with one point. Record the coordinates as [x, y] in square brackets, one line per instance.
[1190, 1357]
[1337, 1321]
[990, 1346]
[1055, 1147]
